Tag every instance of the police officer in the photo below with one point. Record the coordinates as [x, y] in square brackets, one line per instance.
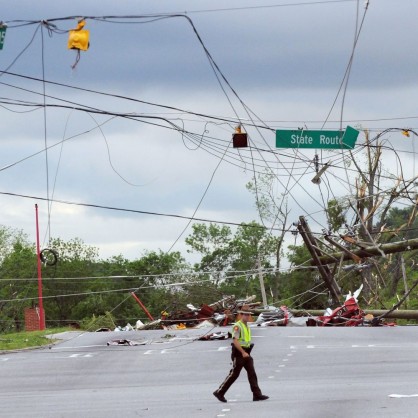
[241, 357]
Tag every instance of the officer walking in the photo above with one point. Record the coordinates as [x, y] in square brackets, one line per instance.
[241, 357]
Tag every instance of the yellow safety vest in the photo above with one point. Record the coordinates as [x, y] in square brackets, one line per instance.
[244, 334]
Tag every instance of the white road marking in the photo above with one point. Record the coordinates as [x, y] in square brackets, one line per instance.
[271, 377]
[225, 410]
[4, 359]
[149, 351]
[78, 355]
[79, 346]
[223, 348]
[181, 338]
[300, 336]
[403, 396]
[310, 346]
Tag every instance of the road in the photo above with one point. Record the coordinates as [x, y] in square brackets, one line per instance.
[307, 372]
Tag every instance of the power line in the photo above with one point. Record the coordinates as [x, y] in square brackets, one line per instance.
[90, 205]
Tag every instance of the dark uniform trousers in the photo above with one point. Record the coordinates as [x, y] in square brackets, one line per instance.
[239, 362]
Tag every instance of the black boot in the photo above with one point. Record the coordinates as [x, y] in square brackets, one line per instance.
[219, 396]
[260, 398]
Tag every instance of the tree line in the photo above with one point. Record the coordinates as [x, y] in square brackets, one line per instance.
[81, 286]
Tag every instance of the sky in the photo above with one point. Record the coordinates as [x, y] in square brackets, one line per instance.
[277, 65]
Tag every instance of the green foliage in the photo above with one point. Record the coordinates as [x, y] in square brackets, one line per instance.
[96, 322]
[82, 288]
[397, 223]
[17, 271]
[224, 253]
[335, 214]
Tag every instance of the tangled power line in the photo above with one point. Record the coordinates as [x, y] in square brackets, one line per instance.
[288, 168]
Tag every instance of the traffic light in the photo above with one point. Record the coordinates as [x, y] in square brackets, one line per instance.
[79, 38]
[239, 138]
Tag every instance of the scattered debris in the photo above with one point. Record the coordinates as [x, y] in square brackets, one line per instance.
[215, 336]
[273, 316]
[226, 310]
[126, 342]
[128, 327]
[347, 315]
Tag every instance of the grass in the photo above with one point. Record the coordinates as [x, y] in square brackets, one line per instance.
[19, 340]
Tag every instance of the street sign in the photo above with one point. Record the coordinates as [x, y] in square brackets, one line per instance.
[2, 35]
[316, 139]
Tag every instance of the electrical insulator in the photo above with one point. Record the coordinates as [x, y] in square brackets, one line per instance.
[79, 38]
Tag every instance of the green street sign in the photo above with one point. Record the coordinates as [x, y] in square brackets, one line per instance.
[317, 139]
[2, 35]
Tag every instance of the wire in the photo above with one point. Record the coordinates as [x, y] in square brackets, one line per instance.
[66, 202]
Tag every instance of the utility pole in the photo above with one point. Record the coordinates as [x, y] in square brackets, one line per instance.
[40, 298]
[315, 251]
[261, 278]
[369, 251]
[404, 276]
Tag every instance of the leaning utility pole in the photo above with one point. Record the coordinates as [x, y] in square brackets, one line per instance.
[316, 253]
[368, 251]
[260, 276]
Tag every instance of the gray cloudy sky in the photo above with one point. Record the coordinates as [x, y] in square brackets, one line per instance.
[285, 60]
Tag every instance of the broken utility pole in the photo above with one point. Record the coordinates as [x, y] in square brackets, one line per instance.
[394, 247]
[316, 254]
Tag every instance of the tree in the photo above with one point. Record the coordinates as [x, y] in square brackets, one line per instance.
[18, 277]
[272, 208]
[157, 273]
[213, 243]
[232, 260]
[68, 283]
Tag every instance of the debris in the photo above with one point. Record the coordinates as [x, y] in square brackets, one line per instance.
[126, 342]
[204, 324]
[347, 315]
[273, 317]
[221, 312]
[128, 327]
[215, 336]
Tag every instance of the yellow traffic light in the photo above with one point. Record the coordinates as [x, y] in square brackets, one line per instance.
[79, 38]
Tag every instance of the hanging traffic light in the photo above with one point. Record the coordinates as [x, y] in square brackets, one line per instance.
[79, 38]
[239, 138]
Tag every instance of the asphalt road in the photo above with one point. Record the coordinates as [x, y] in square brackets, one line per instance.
[307, 372]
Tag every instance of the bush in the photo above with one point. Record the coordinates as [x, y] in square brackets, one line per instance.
[96, 322]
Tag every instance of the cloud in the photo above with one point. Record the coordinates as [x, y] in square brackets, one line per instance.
[285, 63]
